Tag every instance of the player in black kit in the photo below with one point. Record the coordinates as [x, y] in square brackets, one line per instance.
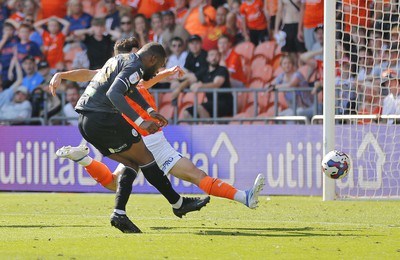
[102, 125]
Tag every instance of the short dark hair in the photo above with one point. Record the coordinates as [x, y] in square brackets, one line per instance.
[155, 49]
[224, 36]
[98, 22]
[176, 39]
[125, 45]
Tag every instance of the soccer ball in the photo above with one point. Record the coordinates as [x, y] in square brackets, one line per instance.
[336, 164]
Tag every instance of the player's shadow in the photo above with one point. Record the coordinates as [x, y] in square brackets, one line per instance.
[46, 226]
[263, 232]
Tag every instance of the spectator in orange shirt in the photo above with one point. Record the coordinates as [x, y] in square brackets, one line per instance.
[51, 8]
[150, 7]
[210, 40]
[255, 16]
[199, 17]
[232, 61]
[311, 15]
[180, 9]
[53, 39]
[17, 13]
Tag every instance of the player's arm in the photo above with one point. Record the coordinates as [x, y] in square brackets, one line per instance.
[125, 85]
[79, 75]
[162, 75]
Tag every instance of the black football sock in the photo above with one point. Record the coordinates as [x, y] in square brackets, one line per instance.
[156, 177]
[125, 188]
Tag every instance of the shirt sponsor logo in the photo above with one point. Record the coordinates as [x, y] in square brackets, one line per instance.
[134, 78]
[117, 150]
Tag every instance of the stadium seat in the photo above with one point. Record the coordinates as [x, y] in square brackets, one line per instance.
[261, 70]
[188, 98]
[238, 116]
[256, 83]
[241, 100]
[265, 49]
[166, 98]
[70, 56]
[264, 100]
[245, 50]
[277, 71]
[249, 110]
[269, 113]
[276, 61]
[167, 110]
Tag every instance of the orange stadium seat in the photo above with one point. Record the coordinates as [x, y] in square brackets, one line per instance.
[167, 110]
[265, 49]
[277, 71]
[70, 56]
[261, 70]
[245, 50]
[269, 113]
[240, 115]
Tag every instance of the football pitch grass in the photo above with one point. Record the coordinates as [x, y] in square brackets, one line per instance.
[76, 226]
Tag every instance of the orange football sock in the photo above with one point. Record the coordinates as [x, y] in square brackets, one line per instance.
[99, 172]
[216, 187]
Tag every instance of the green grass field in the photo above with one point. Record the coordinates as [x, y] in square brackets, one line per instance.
[76, 226]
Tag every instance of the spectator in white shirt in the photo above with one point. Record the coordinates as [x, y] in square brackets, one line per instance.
[72, 97]
[179, 54]
[177, 58]
[391, 103]
[19, 107]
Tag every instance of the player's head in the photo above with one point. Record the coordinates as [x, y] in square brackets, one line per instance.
[126, 46]
[153, 58]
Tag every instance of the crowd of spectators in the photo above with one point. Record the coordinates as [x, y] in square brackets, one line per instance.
[40, 37]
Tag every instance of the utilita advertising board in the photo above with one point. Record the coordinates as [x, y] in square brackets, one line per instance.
[288, 156]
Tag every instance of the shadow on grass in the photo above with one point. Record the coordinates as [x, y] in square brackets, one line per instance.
[263, 232]
[46, 226]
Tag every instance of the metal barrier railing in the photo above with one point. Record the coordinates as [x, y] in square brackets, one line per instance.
[214, 119]
[25, 121]
[45, 120]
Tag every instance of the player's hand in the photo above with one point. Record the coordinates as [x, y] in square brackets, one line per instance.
[55, 82]
[149, 126]
[162, 121]
[176, 69]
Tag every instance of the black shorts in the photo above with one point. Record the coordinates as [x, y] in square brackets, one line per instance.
[108, 132]
[292, 43]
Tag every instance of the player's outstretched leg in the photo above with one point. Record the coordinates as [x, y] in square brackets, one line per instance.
[190, 204]
[184, 169]
[74, 153]
[252, 194]
[98, 170]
